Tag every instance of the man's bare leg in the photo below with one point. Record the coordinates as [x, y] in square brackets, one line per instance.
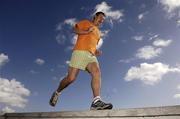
[71, 76]
[94, 70]
[97, 103]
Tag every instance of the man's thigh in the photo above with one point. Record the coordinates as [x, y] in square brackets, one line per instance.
[93, 68]
[73, 72]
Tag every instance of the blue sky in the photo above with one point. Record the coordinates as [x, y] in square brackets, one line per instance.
[140, 63]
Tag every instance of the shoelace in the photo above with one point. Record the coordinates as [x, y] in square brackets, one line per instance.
[103, 103]
[100, 102]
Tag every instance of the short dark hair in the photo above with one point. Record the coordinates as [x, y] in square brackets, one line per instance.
[98, 13]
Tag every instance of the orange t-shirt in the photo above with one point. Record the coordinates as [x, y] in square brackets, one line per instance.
[88, 41]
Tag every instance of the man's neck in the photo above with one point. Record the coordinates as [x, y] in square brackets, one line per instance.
[94, 22]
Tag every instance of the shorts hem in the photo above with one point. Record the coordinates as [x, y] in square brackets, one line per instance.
[77, 67]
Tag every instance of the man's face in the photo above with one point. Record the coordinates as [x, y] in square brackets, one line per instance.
[99, 19]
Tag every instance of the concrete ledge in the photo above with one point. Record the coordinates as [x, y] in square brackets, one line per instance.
[2, 115]
[167, 112]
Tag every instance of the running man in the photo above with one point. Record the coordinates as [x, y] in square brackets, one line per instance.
[84, 58]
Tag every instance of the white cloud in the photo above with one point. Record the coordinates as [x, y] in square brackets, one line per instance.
[178, 65]
[112, 14]
[67, 62]
[12, 93]
[178, 23]
[39, 61]
[126, 60]
[65, 30]
[74, 39]
[33, 72]
[177, 96]
[178, 87]
[149, 73]
[60, 38]
[3, 59]
[140, 16]
[70, 22]
[137, 38]
[162, 42]
[104, 33]
[170, 5]
[73, 42]
[154, 36]
[148, 52]
[7, 110]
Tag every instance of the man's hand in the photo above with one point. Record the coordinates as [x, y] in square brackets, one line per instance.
[98, 53]
[90, 29]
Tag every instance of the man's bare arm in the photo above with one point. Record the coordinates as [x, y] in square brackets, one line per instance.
[82, 32]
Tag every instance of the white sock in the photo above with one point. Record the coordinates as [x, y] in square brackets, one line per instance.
[58, 93]
[97, 98]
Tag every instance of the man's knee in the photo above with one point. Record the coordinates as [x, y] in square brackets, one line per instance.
[72, 74]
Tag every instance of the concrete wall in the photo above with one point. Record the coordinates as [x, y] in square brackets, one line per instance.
[169, 112]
